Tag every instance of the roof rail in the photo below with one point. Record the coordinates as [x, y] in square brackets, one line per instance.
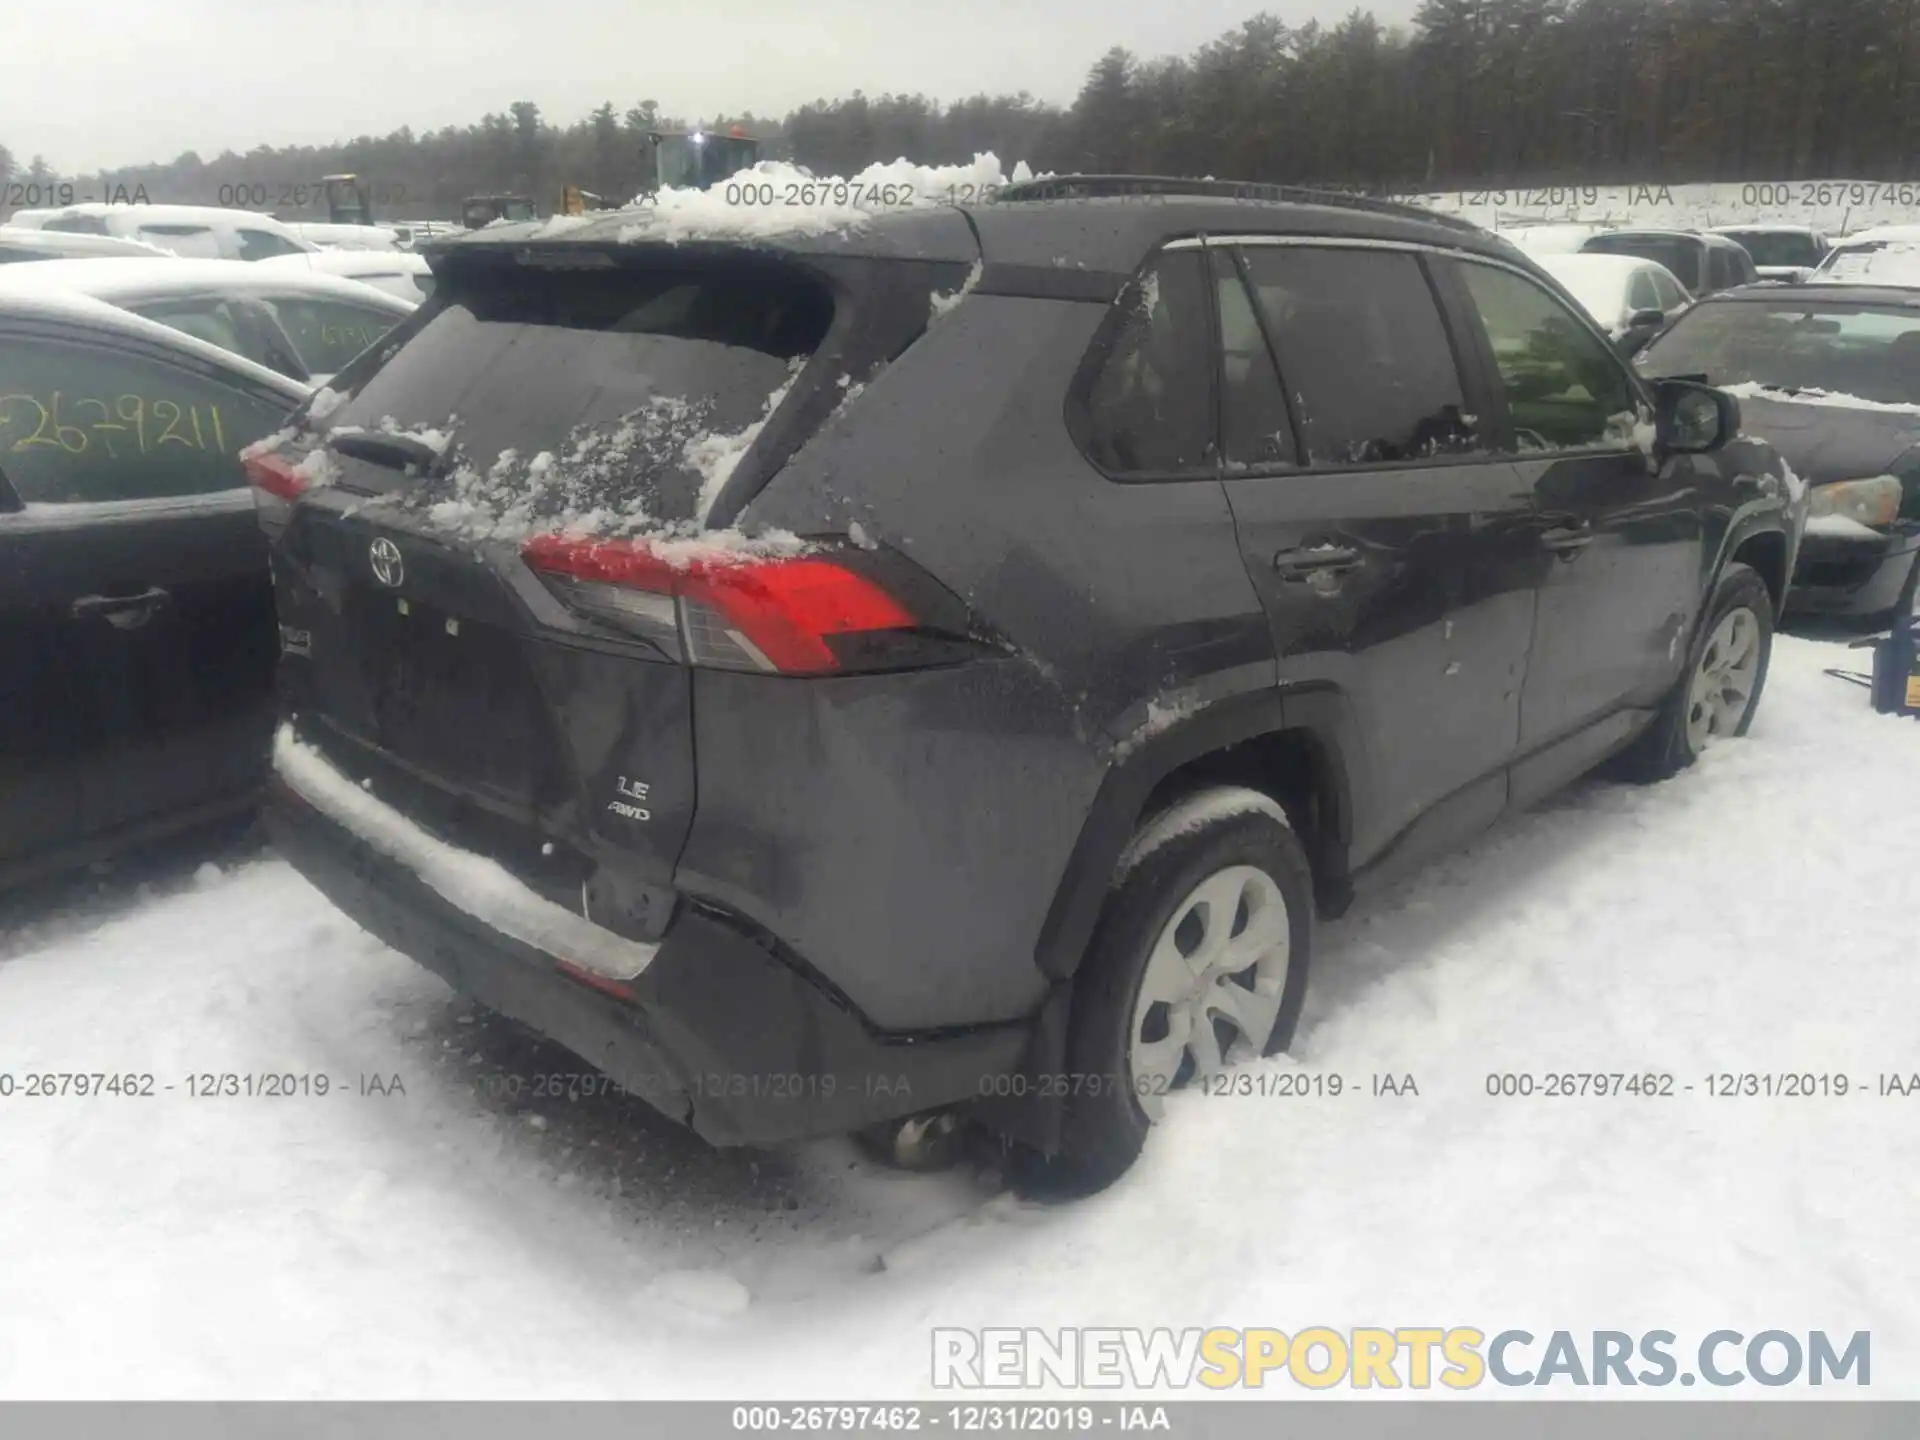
[1089, 187]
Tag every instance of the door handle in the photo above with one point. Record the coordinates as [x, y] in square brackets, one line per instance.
[1567, 538]
[123, 612]
[1310, 560]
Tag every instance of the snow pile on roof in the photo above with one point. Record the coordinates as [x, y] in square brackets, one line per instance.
[473, 883]
[776, 198]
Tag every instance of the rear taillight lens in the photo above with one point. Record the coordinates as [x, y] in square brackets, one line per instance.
[275, 475]
[783, 615]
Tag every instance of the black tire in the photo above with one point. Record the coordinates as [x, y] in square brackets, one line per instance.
[1103, 1126]
[1664, 749]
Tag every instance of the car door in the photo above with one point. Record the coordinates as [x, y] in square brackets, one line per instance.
[139, 531]
[1392, 549]
[1622, 532]
[40, 757]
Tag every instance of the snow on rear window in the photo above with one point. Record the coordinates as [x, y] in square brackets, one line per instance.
[607, 402]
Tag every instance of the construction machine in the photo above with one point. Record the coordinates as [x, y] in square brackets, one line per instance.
[479, 210]
[697, 159]
[349, 200]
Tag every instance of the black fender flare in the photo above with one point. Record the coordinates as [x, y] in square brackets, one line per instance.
[1317, 710]
[1031, 1112]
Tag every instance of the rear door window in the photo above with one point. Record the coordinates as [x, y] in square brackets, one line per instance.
[564, 391]
[1149, 408]
[1364, 353]
[78, 225]
[329, 333]
[83, 422]
[1255, 430]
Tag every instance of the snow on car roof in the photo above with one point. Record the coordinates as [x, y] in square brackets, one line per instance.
[353, 237]
[350, 262]
[1765, 229]
[139, 276]
[1875, 233]
[56, 303]
[70, 243]
[171, 214]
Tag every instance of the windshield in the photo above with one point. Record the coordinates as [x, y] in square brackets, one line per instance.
[1778, 248]
[1678, 253]
[689, 163]
[1843, 349]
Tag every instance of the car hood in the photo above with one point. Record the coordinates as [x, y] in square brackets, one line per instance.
[1830, 442]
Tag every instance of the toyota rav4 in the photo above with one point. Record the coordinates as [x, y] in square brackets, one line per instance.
[941, 664]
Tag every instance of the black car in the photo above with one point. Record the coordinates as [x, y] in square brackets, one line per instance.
[137, 639]
[1830, 375]
[1701, 260]
[938, 662]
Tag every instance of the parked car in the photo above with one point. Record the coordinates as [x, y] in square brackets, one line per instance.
[18, 244]
[1563, 239]
[1113, 652]
[1878, 259]
[204, 232]
[1780, 252]
[400, 273]
[137, 638]
[1830, 375]
[1630, 298]
[1698, 259]
[344, 237]
[410, 234]
[306, 326]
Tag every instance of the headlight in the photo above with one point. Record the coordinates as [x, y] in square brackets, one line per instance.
[1874, 502]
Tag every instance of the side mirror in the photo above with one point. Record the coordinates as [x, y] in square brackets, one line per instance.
[1647, 320]
[1694, 419]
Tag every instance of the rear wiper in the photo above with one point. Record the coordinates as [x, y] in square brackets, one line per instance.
[396, 452]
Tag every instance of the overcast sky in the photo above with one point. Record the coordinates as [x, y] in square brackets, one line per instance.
[99, 85]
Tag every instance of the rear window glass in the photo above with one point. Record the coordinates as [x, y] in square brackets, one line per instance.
[1781, 248]
[1678, 253]
[565, 392]
[78, 225]
[191, 240]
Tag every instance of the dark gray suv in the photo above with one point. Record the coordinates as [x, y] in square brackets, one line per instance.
[941, 665]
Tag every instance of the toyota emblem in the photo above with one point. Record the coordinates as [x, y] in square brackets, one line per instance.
[388, 567]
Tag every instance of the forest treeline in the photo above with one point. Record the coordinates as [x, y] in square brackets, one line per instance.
[1511, 92]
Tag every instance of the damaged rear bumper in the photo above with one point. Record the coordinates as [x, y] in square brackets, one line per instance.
[718, 1031]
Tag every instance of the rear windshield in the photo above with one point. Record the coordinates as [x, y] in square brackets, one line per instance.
[195, 241]
[1676, 252]
[1845, 349]
[575, 390]
[78, 225]
[1778, 248]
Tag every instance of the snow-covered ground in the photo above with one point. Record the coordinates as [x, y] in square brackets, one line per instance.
[1754, 915]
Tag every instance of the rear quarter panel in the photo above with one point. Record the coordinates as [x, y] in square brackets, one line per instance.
[907, 834]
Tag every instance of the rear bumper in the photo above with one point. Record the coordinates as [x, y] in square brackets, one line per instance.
[721, 1034]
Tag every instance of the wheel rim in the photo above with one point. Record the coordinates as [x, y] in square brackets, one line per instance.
[1724, 680]
[1213, 983]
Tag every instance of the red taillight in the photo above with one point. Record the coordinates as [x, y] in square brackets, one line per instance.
[736, 612]
[274, 475]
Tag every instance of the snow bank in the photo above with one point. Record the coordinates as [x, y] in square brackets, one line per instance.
[473, 883]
